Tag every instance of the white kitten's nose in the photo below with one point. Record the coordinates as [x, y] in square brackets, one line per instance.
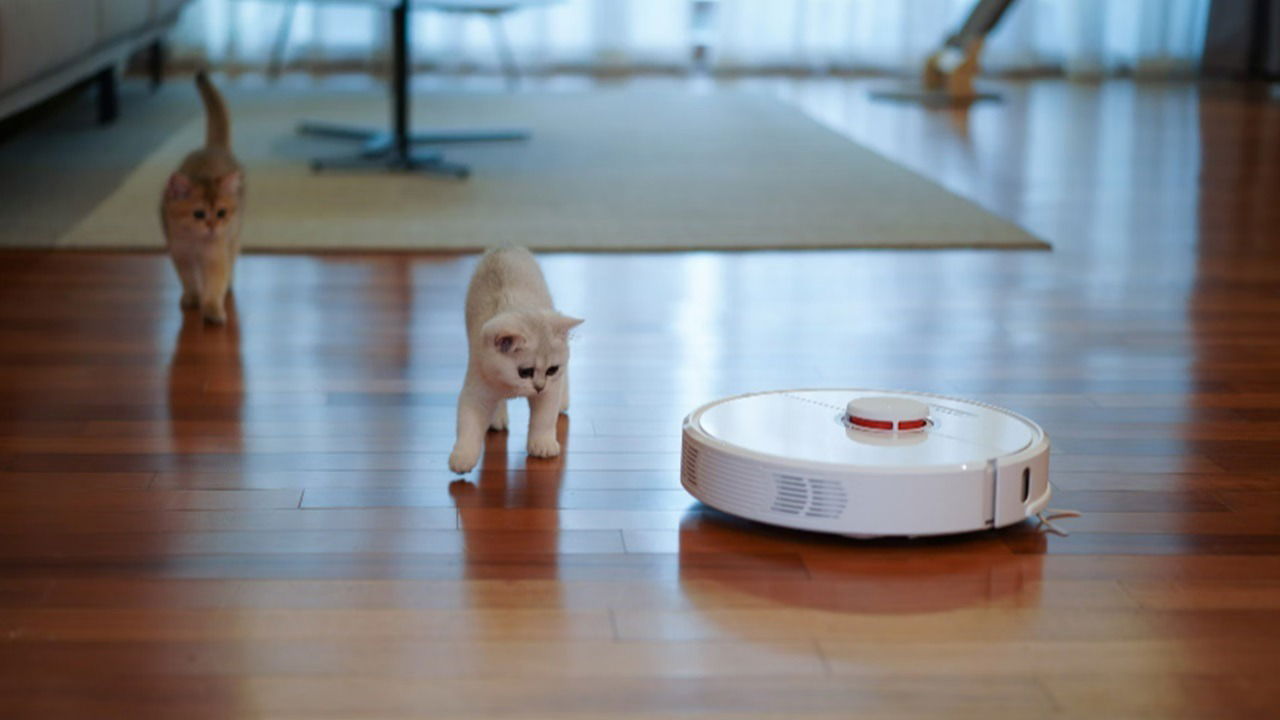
[538, 387]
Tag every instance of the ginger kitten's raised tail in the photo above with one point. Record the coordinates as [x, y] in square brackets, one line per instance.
[217, 122]
[201, 212]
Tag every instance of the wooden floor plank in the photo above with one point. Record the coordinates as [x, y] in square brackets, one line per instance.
[430, 542]
[1239, 594]
[567, 658]
[153, 624]
[1057, 658]
[354, 696]
[958, 625]
[73, 520]
[60, 497]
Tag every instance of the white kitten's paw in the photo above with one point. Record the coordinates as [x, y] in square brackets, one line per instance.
[462, 461]
[499, 421]
[544, 446]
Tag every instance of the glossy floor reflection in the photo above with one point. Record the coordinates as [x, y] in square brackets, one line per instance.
[258, 520]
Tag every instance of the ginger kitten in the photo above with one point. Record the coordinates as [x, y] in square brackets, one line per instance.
[519, 347]
[201, 213]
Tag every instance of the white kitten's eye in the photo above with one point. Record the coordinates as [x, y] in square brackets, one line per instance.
[222, 212]
[553, 370]
[199, 214]
[526, 372]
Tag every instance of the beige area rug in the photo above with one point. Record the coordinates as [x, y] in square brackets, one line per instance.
[608, 170]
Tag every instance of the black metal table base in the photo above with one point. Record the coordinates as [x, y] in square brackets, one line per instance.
[382, 139]
[382, 150]
[393, 149]
[404, 162]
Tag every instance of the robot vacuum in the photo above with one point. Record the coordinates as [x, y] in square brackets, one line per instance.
[866, 463]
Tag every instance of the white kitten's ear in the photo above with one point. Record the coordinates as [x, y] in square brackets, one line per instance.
[178, 187]
[504, 335]
[563, 324]
[231, 184]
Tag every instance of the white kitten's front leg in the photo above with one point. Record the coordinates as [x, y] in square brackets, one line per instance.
[544, 408]
[475, 409]
[500, 421]
[564, 391]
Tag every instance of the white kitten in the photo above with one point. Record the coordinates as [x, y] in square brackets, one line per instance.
[518, 348]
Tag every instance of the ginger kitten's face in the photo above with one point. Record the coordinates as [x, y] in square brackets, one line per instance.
[526, 353]
[204, 208]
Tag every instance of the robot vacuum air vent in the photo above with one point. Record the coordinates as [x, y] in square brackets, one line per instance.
[809, 497]
[866, 463]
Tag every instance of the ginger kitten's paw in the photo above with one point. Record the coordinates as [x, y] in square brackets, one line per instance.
[544, 447]
[189, 301]
[214, 314]
[462, 461]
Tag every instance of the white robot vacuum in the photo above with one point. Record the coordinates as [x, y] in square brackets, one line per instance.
[866, 463]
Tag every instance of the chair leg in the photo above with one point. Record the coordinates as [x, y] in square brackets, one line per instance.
[506, 57]
[156, 63]
[276, 65]
[108, 95]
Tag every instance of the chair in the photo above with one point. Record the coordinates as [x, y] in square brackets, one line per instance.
[494, 10]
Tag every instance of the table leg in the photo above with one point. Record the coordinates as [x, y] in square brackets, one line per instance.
[394, 150]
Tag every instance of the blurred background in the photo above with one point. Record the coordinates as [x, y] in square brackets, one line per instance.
[1078, 38]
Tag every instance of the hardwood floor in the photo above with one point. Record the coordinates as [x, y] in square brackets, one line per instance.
[257, 521]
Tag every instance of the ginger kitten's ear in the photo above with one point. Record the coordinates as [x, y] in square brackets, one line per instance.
[563, 324]
[231, 184]
[178, 187]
